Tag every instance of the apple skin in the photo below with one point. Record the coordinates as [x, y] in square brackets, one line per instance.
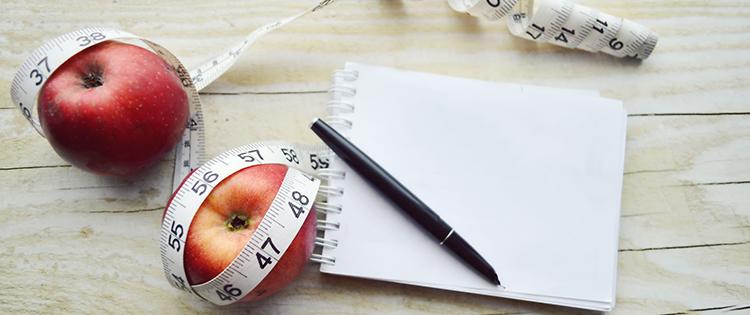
[211, 244]
[113, 109]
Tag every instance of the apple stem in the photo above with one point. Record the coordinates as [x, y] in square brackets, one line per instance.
[237, 222]
[92, 79]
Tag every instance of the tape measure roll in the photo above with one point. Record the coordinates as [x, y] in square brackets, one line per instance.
[275, 232]
[566, 24]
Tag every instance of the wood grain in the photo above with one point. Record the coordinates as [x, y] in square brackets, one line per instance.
[71, 242]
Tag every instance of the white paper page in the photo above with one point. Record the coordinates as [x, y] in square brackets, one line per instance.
[593, 305]
[531, 180]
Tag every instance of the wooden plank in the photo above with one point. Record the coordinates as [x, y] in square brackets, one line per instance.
[684, 174]
[683, 280]
[704, 148]
[69, 254]
[691, 71]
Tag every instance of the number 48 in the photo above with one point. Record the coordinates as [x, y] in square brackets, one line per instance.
[302, 199]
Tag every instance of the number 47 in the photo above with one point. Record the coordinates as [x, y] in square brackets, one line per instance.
[264, 261]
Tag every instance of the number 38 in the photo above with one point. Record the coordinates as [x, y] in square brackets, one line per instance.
[86, 40]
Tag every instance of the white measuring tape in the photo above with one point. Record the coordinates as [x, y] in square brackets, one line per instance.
[38, 67]
[190, 153]
[566, 24]
[290, 207]
[275, 232]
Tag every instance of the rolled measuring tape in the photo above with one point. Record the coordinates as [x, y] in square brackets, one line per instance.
[566, 24]
[275, 231]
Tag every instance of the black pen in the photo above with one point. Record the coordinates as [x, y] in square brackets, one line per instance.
[403, 198]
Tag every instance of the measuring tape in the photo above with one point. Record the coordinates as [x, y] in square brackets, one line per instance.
[274, 234]
[290, 207]
[566, 24]
[38, 67]
[190, 152]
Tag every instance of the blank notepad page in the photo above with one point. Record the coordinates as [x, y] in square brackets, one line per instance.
[530, 176]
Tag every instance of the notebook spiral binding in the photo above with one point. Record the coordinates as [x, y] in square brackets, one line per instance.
[339, 106]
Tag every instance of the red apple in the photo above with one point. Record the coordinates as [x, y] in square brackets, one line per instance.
[113, 109]
[226, 220]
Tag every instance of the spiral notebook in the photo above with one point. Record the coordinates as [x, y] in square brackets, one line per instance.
[530, 176]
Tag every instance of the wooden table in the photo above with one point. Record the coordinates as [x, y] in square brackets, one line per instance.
[77, 243]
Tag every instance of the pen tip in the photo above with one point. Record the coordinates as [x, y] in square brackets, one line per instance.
[497, 280]
[313, 122]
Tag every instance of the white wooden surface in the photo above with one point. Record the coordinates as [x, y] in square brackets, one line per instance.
[75, 243]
